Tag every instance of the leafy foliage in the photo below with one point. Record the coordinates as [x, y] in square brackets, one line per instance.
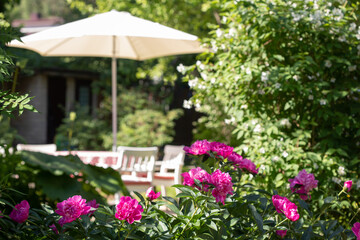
[50, 178]
[248, 213]
[142, 123]
[280, 82]
[146, 128]
[81, 131]
[9, 101]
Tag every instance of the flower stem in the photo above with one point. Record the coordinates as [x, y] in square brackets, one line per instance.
[192, 216]
[354, 215]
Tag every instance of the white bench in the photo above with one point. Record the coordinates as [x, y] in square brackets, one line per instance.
[170, 168]
[44, 148]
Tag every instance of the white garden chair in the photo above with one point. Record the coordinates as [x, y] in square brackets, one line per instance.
[136, 166]
[170, 168]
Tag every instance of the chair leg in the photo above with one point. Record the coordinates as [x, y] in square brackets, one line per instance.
[163, 190]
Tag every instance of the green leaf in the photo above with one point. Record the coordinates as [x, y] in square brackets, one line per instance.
[212, 225]
[257, 217]
[338, 231]
[175, 209]
[305, 206]
[307, 234]
[278, 57]
[172, 200]
[139, 196]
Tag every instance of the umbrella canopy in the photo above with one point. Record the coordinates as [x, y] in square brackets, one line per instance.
[113, 34]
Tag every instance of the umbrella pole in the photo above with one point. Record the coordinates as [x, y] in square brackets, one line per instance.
[113, 97]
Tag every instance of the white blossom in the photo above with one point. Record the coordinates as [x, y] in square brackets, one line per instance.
[316, 16]
[232, 32]
[341, 171]
[328, 63]
[316, 166]
[230, 121]
[214, 47]
[342, 38]
[352, 26]
[203, 75]
[285, 122]
[296, 17]
[338, 14]
[219, 32]
[187, 104]
[275, 159]
[285, 154]
[265, 76]
[245, 149]
[336, 180]
[213, 80]
[352, 68]
[332, 79]
[257, 128]
[181, 68]
[200, 65]
[262, 150]
[248, 71]
[323, 101]
[311, 97]
[277, 85]
[193, 83]
[261, 92]
[296, 77]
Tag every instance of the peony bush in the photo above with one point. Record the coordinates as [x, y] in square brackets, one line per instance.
[215, 202]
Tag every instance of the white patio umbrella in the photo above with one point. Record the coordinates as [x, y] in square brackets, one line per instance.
[113, 34]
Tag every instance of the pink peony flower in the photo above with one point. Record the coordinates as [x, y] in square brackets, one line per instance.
[199, 147]
[128, 209]
[243, 163]
[347, 185]
[151, 194]
[62, 221]
[21, 212]
[53, 227]
[281, 233]
[93, 205]
[199, 174]
[221, 149]
[222, 185]
[303, 183]
[283, 205]
[71, 209]
[356, 230]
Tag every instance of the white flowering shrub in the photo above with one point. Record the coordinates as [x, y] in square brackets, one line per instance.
[280, 81]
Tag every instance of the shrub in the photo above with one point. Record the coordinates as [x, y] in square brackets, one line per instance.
[215, 202]
[279, 83]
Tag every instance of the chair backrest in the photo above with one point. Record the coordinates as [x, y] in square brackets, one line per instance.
[174, 156]
[137, 161]
[44, 148]
[171, 151]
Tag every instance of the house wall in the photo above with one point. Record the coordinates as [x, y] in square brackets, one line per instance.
[39, 128]
[33, 126]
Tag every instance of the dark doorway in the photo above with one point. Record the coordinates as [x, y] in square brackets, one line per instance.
[56, 107]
